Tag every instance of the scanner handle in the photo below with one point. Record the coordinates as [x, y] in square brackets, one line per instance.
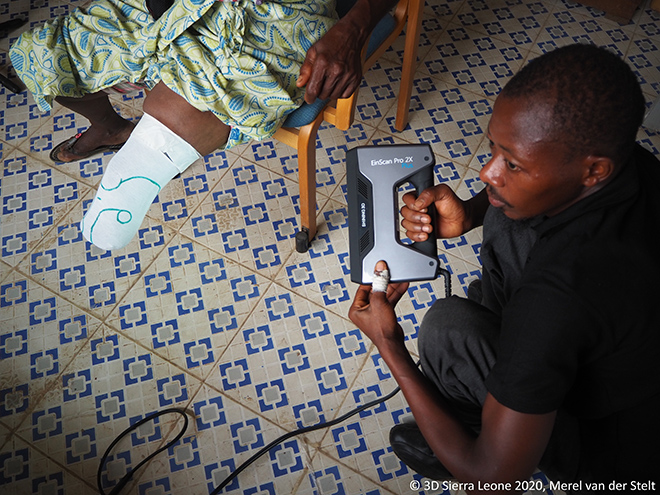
[422, 180]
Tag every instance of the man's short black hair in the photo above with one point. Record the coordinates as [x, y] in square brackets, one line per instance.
[597, 101]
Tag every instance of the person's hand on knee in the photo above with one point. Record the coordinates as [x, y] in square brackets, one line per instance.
[332, 68]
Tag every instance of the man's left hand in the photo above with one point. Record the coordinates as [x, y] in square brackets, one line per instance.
[373, 312]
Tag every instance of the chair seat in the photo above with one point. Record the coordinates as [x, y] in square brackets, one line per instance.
[307, 112]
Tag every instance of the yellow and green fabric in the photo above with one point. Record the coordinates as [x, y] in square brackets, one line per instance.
[237, 59]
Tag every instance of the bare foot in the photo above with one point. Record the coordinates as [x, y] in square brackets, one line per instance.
[93, 138]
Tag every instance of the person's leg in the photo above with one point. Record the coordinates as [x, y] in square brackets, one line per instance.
[106, 126]
[203, 130]
[457, 350]
[171, 135]
[457, 342]
[457, 346]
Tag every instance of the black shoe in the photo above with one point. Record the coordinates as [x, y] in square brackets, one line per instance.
[409, 445]
[474, 291]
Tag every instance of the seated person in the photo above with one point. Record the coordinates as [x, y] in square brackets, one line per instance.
[554, 361]
[221, 73]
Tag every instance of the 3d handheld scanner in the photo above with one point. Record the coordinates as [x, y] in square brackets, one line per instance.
[374, 175]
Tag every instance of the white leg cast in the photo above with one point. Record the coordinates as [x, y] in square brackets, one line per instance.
[151, 157]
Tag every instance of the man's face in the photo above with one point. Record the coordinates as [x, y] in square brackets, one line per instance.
[528, 174]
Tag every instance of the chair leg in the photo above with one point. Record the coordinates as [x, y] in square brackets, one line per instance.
[307, 183]
[409, 63]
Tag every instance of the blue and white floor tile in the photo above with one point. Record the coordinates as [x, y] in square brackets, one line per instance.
[211, 309]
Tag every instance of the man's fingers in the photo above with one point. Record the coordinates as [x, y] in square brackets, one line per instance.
[424, 200]
[427, 197]
[417, 225]
[361, 299]
[396, 291]
[415, 221]
[409, 200]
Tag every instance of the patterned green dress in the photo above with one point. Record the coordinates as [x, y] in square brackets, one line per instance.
[238, 59]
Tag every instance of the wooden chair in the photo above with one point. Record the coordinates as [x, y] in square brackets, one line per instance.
[300, 129]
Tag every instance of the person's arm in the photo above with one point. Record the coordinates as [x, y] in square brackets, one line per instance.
[454, 217]
[510, 443]
[333, 65]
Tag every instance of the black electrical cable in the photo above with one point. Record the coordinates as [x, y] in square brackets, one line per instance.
[127, 477]
[300, 431]
[447, 276]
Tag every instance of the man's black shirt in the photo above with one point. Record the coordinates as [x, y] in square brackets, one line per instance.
[581, 331]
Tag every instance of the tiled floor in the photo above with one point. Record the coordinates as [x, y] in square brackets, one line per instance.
[210, 308]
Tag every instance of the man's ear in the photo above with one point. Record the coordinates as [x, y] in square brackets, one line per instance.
[598, 169]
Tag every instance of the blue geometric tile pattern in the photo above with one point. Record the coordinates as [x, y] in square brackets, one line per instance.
[210, 308]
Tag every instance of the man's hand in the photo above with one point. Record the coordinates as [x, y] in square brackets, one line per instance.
[453, 218]
[373, 311]
[333, 65]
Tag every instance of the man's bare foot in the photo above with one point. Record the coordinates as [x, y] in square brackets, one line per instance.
[94, 140]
